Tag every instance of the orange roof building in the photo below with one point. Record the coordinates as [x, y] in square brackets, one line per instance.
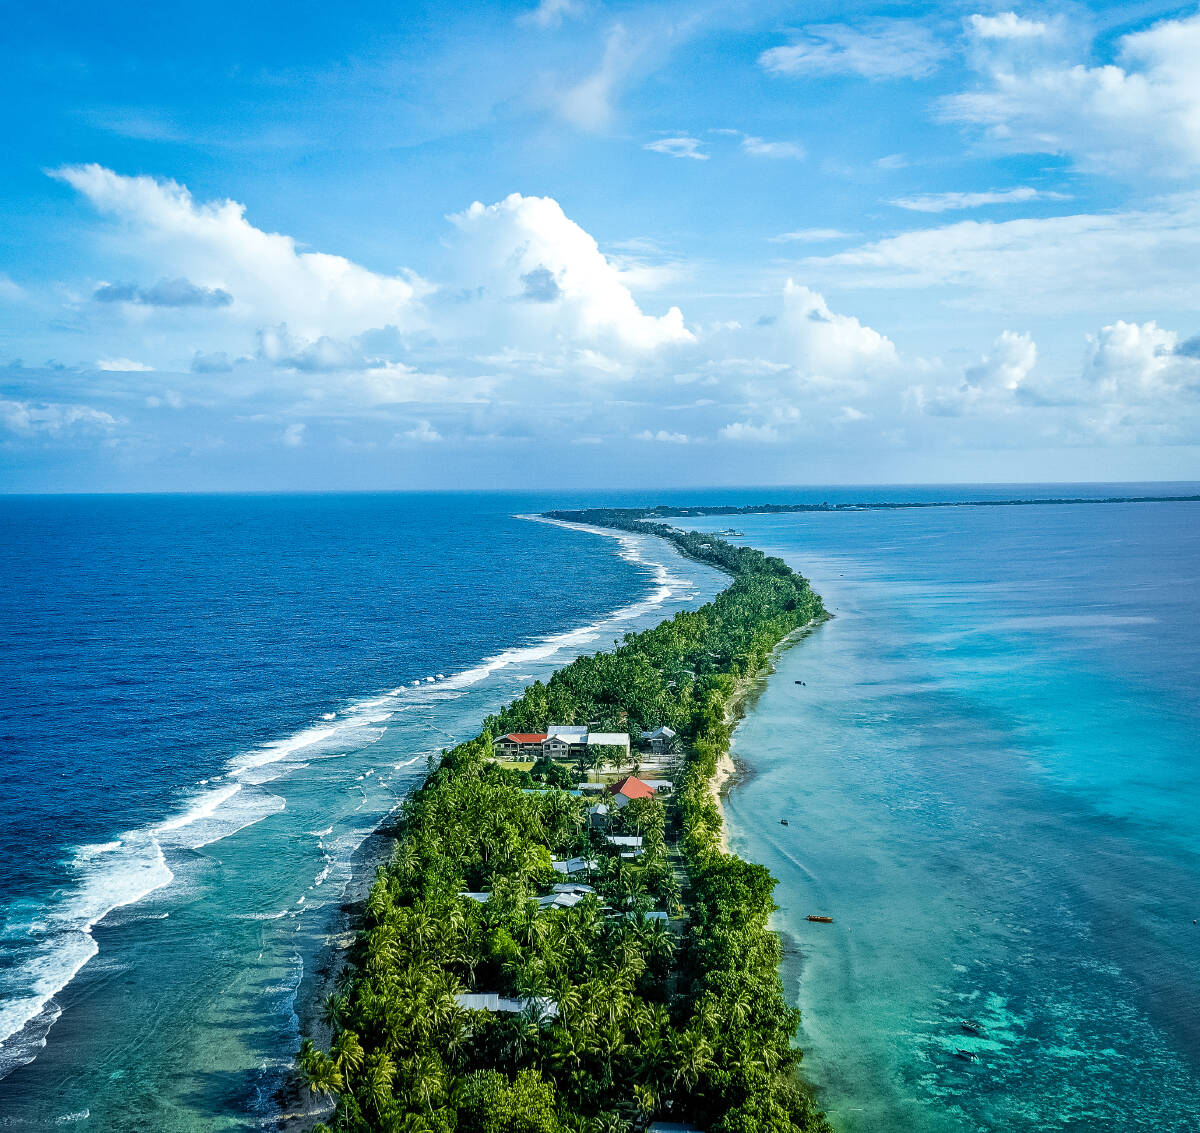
[625, 790]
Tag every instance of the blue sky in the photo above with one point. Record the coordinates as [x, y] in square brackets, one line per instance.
[593, 244]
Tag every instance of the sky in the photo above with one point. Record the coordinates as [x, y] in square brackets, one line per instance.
[575, 243]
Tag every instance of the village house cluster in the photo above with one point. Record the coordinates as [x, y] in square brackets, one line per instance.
[567, 742]
[560, 742]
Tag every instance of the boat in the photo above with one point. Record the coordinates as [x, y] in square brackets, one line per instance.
[784, 822]
[971, 1027]
[966, 1055]
[819, 920]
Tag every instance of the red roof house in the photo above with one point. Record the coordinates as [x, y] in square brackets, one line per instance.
[630, 788]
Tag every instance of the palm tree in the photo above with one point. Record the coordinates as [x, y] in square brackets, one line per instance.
[332, 1011]
[347, 1054]
[380, 1075]
[693, 1057]
[318, 1070]
[425, 1078]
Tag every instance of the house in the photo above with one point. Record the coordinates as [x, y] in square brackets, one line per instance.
[482, 898]
[520, 745]
[660, 786]
[629, 841]
[609, 739]
[560, 900]
[624, 791]
[572, 866]
[658, 739]
[538, 1005]
[598, 815]
[571, 887]
[563, 742]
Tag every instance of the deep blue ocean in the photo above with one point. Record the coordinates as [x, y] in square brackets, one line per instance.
[207, 704]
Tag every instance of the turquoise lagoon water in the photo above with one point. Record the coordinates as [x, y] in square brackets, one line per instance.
[992, 781]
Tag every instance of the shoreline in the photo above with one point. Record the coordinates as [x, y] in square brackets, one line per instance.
[299, 1111]
[730, 770]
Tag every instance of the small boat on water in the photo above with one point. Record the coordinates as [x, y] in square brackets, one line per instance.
[819, 920]
[966, 1055]
[971, 1027]
[784, 822]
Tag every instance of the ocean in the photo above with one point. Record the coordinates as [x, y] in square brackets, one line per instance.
[990, 775]
[991, 781]
[208, 704]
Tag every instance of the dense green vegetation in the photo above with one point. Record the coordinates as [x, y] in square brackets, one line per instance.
[626, 1017]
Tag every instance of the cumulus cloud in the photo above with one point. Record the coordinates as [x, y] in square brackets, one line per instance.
[504, 247]
[293, 435]
[991, 383]
[1140, 364]
[165, 293]
[52, 419]
[279, 347]
[822, 346]
[746, 432]
[946, 202]
[1006, 26]
[219, 250]
[662, 436]
[423, 433]
[678, 146]
[123, 365]
[880, 49]
[1138, 114]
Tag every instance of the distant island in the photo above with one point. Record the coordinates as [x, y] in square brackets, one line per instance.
[535, 957]
[622, 517]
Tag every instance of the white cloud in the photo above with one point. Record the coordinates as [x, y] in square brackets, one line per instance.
[810, 236]
[293, 435]
[1052, 264]
[551, 13]
[1006, 25]
[679, 146]
[423, 433]
[215, 247]
[881, 49]
[1138, 114]
[746, 432]
[991, 383]
[121, 365]
[10, 291]
[29, 418]
[279, 347]
[500, 245]
[661, 436]
[588, 104]
[945, 202]
[1140, 364]
[756, 147]
[823, 346]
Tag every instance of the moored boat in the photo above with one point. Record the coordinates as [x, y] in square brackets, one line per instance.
[819, 920]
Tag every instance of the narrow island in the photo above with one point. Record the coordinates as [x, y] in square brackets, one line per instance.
[538, 956]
